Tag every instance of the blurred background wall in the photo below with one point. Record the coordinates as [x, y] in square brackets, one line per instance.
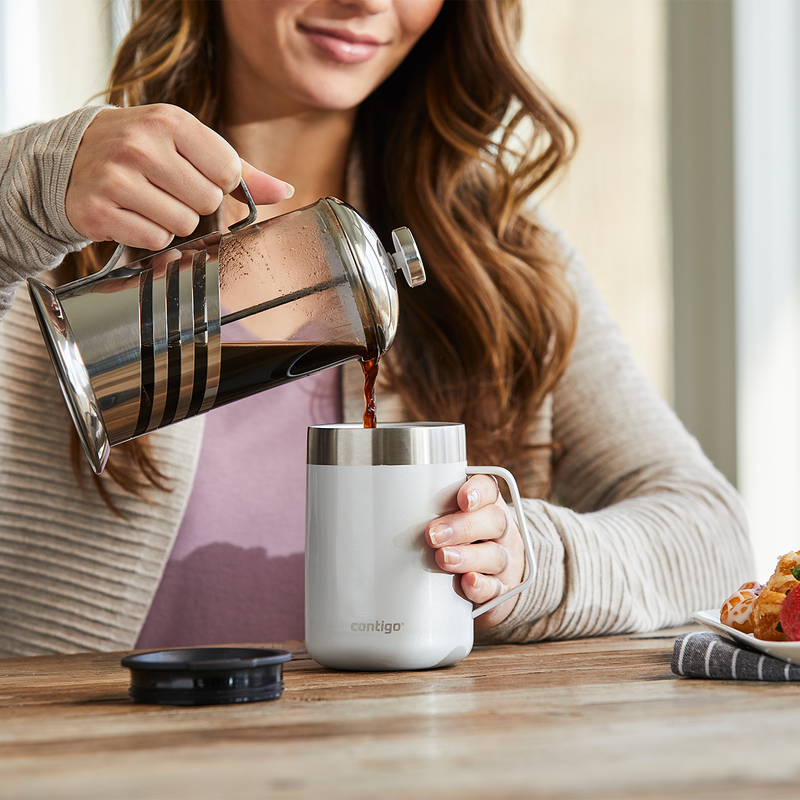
[605, 62]
[54, 55]
[683, 197]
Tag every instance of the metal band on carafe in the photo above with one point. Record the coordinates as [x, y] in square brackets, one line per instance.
[180, 340]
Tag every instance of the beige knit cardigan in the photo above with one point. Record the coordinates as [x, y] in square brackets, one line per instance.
[640, 530]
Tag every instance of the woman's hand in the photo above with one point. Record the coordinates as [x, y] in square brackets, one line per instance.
[482, 543]
[143, 175]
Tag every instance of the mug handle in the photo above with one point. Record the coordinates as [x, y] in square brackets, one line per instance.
[523, 527]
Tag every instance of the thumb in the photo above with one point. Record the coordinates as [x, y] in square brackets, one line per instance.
[263, 188]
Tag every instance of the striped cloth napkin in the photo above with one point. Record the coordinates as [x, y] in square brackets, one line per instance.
[704, 654]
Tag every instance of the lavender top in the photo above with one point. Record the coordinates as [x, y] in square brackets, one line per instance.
[235, 573]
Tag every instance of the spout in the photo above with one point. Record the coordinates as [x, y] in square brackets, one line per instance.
[406, 257]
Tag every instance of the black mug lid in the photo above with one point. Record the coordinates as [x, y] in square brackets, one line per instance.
[206, 675]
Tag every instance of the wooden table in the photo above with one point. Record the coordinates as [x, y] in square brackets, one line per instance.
[595, 718]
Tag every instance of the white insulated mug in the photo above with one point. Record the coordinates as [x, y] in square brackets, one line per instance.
[375, 597]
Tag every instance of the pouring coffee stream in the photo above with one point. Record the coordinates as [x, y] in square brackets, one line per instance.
[213, 320]
[370, 367]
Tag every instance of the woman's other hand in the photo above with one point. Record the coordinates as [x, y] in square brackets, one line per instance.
[146, 174]
[483, 544]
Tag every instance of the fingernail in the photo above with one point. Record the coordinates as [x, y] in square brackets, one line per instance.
[452, 556]
[473, 498]
[289, 191]
[439, 534]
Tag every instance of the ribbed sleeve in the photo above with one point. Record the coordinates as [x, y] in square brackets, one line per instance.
[35, 166]
[73, 575]
[644, 530]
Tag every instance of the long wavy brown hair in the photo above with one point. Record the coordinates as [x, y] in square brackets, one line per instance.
[455, 143]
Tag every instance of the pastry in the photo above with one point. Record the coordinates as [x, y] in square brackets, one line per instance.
[767, 607]
[738, 608]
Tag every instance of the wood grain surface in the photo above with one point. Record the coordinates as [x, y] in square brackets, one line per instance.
[592, 718]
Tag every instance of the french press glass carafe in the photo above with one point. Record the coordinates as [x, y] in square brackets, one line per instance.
[216, 319]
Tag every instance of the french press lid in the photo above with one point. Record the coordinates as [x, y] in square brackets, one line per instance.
[374, 267]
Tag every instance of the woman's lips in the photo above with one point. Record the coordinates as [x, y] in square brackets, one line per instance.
[343, 46]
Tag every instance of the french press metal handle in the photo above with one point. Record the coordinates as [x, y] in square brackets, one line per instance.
[120, 248]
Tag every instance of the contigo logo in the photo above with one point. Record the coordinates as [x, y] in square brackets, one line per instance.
[379, 627]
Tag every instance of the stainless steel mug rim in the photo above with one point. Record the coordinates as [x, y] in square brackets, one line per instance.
[390, 444]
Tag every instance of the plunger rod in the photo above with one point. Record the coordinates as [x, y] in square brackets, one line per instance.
[278, 301]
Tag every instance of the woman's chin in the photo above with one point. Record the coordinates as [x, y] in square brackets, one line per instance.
[336, 95]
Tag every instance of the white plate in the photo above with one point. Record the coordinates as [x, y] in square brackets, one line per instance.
[786, 651]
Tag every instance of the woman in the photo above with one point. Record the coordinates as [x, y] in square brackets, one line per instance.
[408, 109]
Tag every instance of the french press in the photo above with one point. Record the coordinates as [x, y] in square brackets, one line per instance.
[218, 318]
